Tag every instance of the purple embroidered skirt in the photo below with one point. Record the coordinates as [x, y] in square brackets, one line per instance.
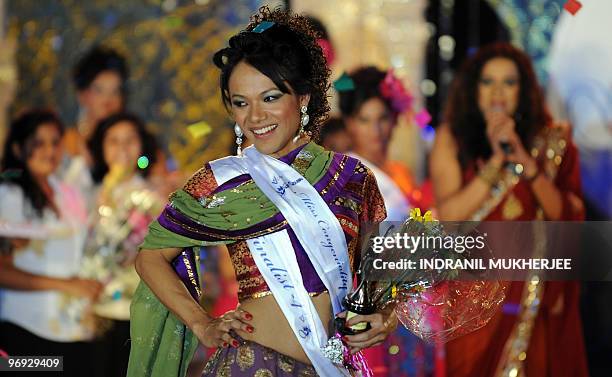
[254, 360]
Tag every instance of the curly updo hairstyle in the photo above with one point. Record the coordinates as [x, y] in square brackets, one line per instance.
[367, 85]
[288, 54]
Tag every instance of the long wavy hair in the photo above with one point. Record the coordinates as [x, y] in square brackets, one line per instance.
[14, 165]
[467, 122]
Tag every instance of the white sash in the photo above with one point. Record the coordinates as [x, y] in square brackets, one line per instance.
[318, 231]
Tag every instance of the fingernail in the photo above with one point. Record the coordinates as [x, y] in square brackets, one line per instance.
[225, 345]
[235, 343]
[248, 316]
[250, 328]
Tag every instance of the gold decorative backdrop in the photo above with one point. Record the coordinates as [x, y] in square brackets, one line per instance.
[168, 45]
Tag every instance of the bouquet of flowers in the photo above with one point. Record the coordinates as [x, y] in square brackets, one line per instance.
[119, 226]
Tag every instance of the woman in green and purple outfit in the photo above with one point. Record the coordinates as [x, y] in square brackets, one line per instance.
[290, 212]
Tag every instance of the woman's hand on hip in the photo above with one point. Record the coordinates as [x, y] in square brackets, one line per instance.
[216, 332]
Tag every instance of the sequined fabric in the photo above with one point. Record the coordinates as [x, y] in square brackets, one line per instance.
[202, 183]
[358, 201]
[353, 198]
[253, 359]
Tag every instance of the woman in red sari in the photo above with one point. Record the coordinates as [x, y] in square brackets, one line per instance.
[499, 156]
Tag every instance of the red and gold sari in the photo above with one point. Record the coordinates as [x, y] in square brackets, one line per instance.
[538, 332]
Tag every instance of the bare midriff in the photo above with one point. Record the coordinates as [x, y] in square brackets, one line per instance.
[272, 328]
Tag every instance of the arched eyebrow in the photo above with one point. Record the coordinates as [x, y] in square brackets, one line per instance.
[262, 93]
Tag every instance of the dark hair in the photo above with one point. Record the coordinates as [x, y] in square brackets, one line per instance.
[96, 61]
[96, 144]
[367, 85]
[464, 117]
[318, 27]
[15, 167]
[285, 52]
[331, 126]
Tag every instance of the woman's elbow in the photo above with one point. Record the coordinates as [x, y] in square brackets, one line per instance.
[140, 263]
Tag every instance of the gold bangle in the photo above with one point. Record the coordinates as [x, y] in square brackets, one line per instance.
[489, 174]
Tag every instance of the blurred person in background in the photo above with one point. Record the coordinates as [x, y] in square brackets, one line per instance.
[100, 78]
[44, 306]
[500, 156]
[334, 136]
[370, 105]
[122, 153]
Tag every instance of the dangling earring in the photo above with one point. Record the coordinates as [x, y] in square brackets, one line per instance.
[304, 119]
[239, 135]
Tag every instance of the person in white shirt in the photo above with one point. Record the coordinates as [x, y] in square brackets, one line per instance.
[43, 305]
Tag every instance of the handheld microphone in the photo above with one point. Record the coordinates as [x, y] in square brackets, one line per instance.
[504, 145]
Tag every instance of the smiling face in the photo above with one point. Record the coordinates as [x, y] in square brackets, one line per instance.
[499, 86]
[370, 128]
[267, 116]
[44, 151]
[122, 145]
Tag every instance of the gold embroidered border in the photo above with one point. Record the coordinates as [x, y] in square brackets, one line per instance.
[191, 275]
[336, 175]
[512, 361]
[225, 237]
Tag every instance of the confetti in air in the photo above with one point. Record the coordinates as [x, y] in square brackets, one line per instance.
[422, 118]
[572, 6]
[143, 162]
[199, 129]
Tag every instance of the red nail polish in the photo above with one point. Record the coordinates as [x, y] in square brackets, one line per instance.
[225, 345]
[235, 343]
[248, 316]
[250, 329]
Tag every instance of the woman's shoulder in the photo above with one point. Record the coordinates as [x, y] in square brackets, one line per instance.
[362, 180]
[202, 183]
[212, 175]
[360, 170]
